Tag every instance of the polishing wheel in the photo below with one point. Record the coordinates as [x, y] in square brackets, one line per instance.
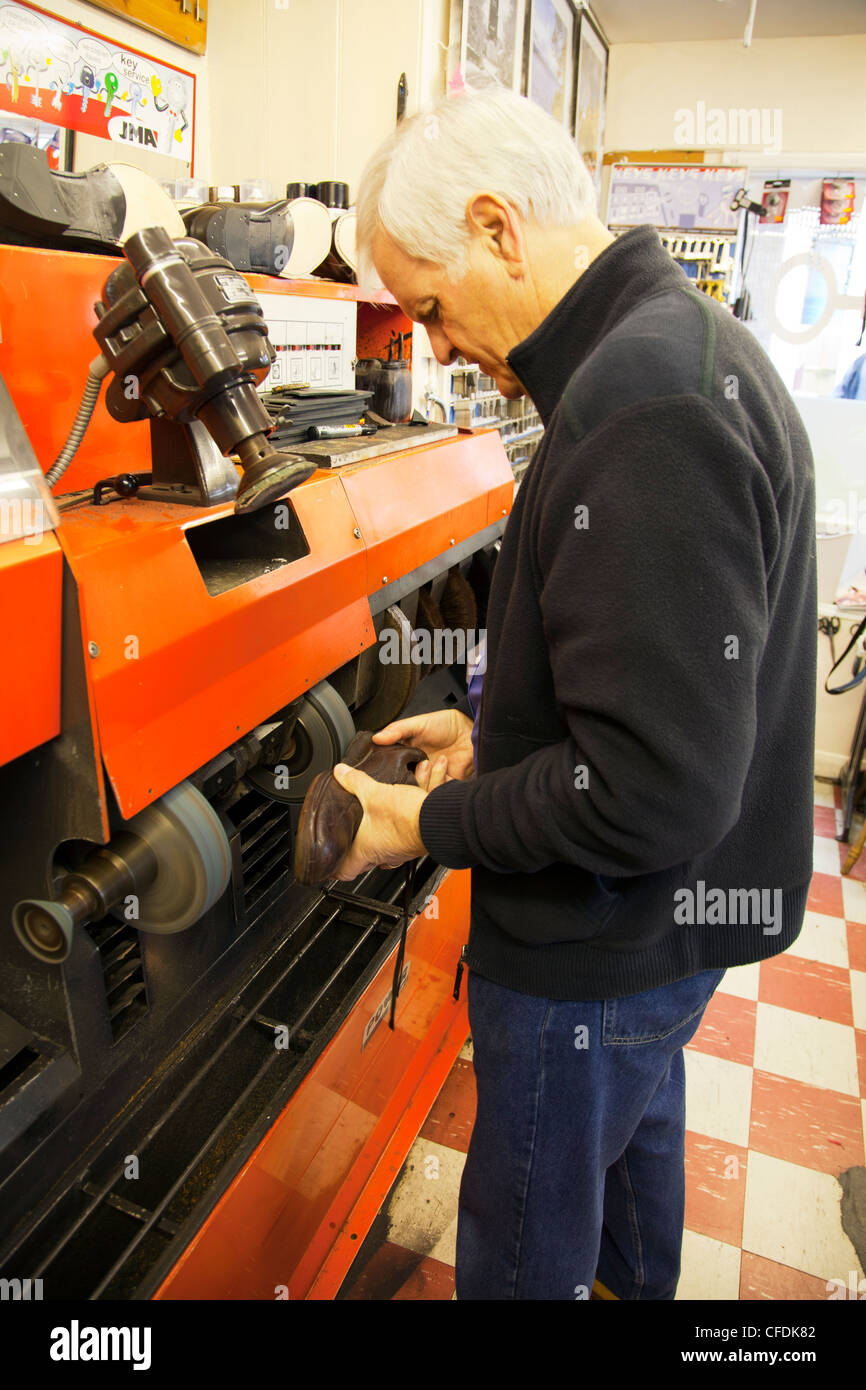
[322, 732]
[395, 681]
[173, 857]
[193, 857]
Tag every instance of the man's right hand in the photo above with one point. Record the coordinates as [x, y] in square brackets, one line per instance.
[445, 733]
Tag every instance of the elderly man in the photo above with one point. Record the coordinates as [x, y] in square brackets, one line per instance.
[640, 817]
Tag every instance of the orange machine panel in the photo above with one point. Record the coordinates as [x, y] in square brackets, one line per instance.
[31, 578]
[180, 673]
[414, 505]
[46, 344]
[297, 1212]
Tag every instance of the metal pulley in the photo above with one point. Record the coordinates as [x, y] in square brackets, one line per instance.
[322, 732]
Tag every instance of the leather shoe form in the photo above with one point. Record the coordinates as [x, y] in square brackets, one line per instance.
[331, 816]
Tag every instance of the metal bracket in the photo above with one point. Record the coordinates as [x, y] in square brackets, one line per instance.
[188, 467]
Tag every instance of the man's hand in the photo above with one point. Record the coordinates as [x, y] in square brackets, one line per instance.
[389, 834]
[446, 733]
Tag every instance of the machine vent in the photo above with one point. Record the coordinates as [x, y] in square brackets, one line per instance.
[125, 990]
[265, 830]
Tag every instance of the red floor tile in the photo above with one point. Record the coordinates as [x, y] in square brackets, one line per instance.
[395, 1273]
[825, 895]
[453, 1115]
[715, 1188]
[860, 1037]
[728, 1029]
[825, 821]
[430, 1281]
[806, 1125]
[760, 1278]
[856, 945]
[807, 987]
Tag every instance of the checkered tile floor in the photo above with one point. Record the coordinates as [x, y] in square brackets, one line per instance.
[775, 1105]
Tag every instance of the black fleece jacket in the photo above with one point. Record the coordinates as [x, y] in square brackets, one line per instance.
[642, 808]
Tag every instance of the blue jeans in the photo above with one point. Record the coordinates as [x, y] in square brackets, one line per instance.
[575, 1169]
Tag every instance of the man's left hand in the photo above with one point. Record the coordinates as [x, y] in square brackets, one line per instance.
[389, 834]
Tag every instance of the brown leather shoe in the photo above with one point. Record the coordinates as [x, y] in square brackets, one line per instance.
[330, 816]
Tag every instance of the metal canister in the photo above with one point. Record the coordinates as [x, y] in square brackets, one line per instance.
[393, 391]
[367, 371]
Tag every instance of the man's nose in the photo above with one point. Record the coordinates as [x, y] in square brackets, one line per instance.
[442, 346]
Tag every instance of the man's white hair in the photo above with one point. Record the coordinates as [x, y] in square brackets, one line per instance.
[418, 183]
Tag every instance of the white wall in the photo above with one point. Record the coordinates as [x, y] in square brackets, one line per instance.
[816, 83]
[307, 92]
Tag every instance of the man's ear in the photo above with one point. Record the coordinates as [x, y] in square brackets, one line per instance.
[499, 227]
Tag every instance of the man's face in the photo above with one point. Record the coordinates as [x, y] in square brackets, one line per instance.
[463, 318]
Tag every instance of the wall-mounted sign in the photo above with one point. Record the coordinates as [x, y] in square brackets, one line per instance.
[67, 75]
[682, 196]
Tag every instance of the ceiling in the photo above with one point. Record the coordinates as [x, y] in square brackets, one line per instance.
[661, 21]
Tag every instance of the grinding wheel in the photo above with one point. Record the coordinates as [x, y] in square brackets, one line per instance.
[396, 680]
[193, 860]
[428, 620]
[458, 604]
[323, 731]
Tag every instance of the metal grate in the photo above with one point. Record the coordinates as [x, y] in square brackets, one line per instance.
[125, 992]
[111, 1234]
[265, 833]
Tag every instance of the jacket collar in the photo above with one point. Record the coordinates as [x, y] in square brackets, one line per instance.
[632, 268]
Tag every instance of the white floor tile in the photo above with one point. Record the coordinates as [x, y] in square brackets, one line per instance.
[822, 938]
[466, 1051]
[854, 899]
[710, 1269]
[824, 795]
[825, 857]
[718, 1097]
[793, 1216]
[422, 1215]
[741, 980]
[813, 1050]
[858, 997]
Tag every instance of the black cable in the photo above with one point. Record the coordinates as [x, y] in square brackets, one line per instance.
[408, 890]
[859, 668]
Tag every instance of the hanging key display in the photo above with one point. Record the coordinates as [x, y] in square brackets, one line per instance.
[98, 86]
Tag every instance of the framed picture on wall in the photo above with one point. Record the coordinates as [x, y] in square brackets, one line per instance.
[548, 57]
[485, 43]
[590, 97]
